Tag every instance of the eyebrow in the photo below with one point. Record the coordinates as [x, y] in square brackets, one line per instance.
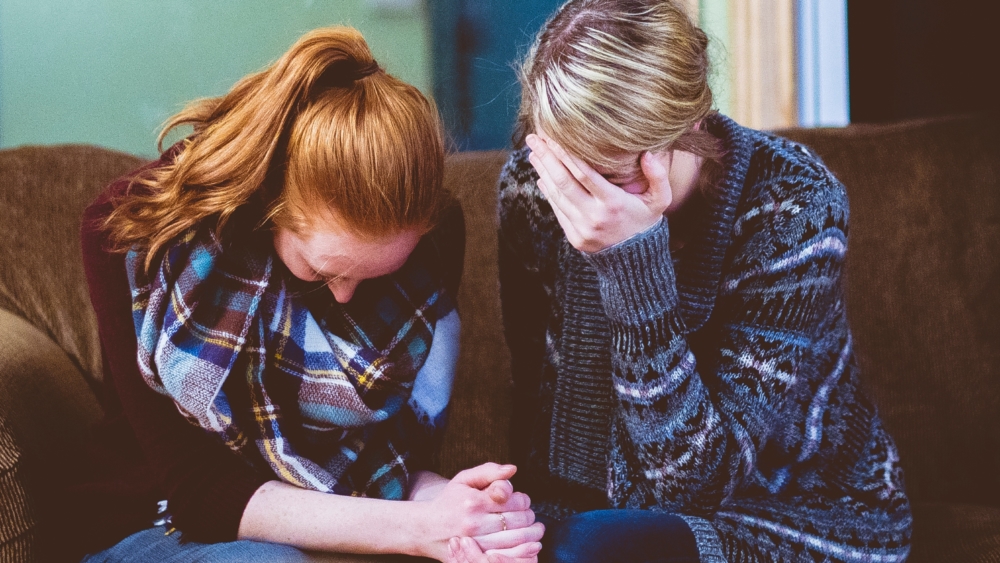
[324, 275]
[349, 270]
[619, 178]
[320, 271]
[632, 170]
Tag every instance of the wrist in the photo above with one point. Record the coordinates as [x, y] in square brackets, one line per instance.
[636, 276]
[425, 485]
[420, 529]
[412, 522]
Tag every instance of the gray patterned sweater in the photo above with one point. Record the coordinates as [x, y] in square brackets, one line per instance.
[716, 381]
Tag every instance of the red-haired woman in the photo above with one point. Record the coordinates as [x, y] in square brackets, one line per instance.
[275, 297]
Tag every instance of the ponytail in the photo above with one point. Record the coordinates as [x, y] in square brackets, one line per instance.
[240, 147]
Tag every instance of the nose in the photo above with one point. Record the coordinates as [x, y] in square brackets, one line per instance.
[343, 289]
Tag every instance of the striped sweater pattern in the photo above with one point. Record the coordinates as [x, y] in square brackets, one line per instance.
[717, 382]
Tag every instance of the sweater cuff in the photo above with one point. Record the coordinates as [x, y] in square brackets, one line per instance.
[216, 515]
[636, 276]
[706, 539]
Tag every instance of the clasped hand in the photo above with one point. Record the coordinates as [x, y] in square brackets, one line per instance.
[478, 518]
[594, 213]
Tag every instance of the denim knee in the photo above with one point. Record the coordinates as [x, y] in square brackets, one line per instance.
[153, 545]
[625, 536]
[577, 540]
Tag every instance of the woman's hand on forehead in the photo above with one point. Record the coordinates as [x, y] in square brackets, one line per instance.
[594, 213]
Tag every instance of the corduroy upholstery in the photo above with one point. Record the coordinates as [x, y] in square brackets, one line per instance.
[924, 293]
[923, 278]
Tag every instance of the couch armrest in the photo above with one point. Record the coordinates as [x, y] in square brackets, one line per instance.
[17, 517]
[46, 410]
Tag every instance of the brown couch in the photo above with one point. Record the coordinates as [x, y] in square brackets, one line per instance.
[923, 282]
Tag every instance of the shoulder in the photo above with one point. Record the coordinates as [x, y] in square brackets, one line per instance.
[789, 198]
[122, 187]
[527, 225]
[780, 168]
[519, 197]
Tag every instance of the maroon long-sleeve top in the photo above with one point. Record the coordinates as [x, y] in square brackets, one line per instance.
[144, 450]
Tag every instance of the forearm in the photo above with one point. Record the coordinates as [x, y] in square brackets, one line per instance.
[466, 506]
[697, 425]
[282, 513]
[664, 412]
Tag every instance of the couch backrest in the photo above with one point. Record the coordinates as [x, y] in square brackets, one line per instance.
[924, 292]
[43, 194]
[480, 413]
[922, 286]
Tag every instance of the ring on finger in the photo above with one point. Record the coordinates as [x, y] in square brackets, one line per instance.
[503, 522]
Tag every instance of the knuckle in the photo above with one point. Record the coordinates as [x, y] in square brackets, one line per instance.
[520, 500]
[467, 528]
[602, 218]
[523, 520]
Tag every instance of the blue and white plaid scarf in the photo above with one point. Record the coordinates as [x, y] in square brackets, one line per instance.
[320, 393]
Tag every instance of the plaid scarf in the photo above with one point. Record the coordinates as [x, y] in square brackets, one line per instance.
[318, 392]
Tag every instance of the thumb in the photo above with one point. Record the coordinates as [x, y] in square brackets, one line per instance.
[500, 491]
[481, 476]
[656, 169]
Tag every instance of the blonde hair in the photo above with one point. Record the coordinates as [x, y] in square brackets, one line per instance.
[605, 77]
[323, 129]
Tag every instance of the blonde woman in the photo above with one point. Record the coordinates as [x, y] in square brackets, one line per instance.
[685, 382]
[275, 297]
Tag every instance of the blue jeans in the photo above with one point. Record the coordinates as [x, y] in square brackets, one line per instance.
[153, 545]
[619, 536]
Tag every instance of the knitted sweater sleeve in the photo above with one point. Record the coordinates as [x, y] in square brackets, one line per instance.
[688, 429]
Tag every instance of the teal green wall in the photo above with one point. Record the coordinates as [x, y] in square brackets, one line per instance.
[109, 72]
[713, 18]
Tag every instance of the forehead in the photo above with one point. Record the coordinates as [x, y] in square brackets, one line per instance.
[606, 162]
[340, 252]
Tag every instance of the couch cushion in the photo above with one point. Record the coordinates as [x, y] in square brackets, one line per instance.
[46, 409]
[923, 298]
[43, 192]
